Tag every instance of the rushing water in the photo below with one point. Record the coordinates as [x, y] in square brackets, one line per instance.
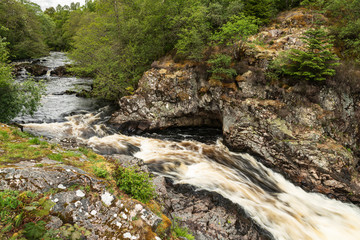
[284, 210]
[56, 104]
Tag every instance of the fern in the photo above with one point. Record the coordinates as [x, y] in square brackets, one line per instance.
[34, 231]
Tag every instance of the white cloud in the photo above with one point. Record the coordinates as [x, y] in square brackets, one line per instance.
[53, 3]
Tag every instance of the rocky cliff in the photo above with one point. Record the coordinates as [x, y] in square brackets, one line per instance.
[308, 132]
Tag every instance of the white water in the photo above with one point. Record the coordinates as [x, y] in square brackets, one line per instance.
[284, 210]
[56, 103]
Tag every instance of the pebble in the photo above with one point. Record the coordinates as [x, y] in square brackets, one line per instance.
[118, 224]
[93, 212]
[127, 235]
[61, 186]
[107, 198]
[80, 193]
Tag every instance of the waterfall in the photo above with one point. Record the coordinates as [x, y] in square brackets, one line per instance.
[275, 204]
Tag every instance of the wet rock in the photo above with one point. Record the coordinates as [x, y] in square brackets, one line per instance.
[37, 70]
[210, 216]
[60, 71]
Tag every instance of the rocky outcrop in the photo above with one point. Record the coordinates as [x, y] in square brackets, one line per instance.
[210, 216]
[309, 132]
[81, 199]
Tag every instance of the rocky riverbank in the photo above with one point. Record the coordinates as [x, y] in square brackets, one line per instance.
[78, 192]
[308, 132]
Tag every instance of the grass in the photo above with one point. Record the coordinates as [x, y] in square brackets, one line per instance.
[178, 231]
[100, 172]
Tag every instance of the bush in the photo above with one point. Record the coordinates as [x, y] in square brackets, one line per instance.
[220, 67]
[135, 183]
[100, 172]
[16, 98]
[315, 63]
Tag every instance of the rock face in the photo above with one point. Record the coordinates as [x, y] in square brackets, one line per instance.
[210, 216]
[308, 132]
[83, 200]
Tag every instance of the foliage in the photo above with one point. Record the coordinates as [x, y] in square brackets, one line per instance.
[262, 9]
[19, 210]
[118, 40]
[237, 28]
[34, 231]
[100, 172]
[220, 67]
[347, 26]
[73, 232]
[315, 63]
[34, 141]
[137, 184]
[25, 27]
[178, 231]
[16, 98]
[56, 157]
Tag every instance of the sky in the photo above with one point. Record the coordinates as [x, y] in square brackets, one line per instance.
[53, 3]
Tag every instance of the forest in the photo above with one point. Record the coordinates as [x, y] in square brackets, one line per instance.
[115, 41]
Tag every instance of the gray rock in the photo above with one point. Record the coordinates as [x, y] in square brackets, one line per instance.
[97, 211]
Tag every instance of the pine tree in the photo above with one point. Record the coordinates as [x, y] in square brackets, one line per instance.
[316, 62]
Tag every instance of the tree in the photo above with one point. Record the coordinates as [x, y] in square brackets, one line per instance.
[23, 29]
[15, 98]
[315, 63]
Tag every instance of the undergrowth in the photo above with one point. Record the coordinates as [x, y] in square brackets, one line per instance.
[135, 183]
[178, 231]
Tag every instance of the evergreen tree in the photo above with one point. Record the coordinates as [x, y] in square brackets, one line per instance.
[316, 62]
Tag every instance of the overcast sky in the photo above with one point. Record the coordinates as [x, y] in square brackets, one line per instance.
[53, 3]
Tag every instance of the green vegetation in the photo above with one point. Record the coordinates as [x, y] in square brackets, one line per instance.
[24, 26]
[315, 63]
[100, 172]
[116, 41]
[24, 215]
[345, 24]
[16, 98]
[23, 210]
[178, 231]
[135, 183]
[220, 67]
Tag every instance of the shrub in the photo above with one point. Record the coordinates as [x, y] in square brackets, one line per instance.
[18, 208]
[237, 28]
[16, 98]
[100, 172]
[220, 67]
[315, 63]
[135, 183]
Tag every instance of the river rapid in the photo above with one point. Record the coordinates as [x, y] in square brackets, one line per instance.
[281, 208]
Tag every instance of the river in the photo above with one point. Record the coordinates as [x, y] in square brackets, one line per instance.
[283, 209]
